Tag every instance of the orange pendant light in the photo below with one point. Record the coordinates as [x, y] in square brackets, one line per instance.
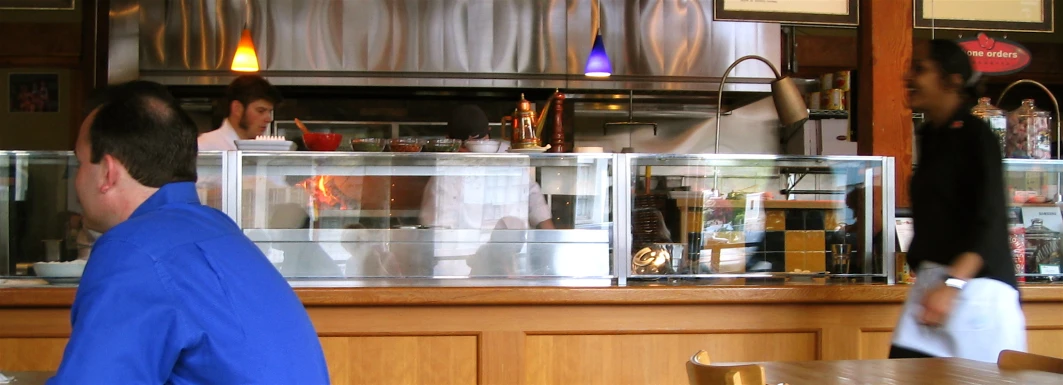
[246, 59]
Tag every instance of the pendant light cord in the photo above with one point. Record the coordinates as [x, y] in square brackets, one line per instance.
[247, 14]
[598, 7]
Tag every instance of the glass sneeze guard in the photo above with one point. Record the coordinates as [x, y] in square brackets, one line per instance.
[429, 216]
[760, 217]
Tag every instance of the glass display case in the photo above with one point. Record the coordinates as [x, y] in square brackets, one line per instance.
[1036, 223]
[40, 217]
[758, 217]
[486, 218]
[350, 219]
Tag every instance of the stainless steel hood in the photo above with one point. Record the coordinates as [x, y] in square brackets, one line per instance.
[655, 45]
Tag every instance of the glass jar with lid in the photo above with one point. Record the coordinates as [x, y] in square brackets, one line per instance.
[994, 117]
[1042, 246]
[1029, 136]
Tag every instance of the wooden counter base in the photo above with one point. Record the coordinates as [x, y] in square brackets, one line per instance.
[632, 335]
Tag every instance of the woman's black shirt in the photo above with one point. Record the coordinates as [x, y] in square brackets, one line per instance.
[958, 199]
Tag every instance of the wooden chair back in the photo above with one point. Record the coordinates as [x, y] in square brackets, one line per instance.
[1015, 360]
[700, 372]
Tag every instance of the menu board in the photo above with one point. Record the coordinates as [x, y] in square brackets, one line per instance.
[985, 15]
[814, 12]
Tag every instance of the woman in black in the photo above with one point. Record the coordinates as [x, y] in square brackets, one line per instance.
[965, 302]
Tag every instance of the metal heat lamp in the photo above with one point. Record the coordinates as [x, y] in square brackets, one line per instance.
[789, 104]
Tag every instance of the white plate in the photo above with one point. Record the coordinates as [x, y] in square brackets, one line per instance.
[265, 145]
[533, 150]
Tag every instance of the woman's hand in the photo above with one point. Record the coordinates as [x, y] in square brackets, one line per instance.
[937, 304]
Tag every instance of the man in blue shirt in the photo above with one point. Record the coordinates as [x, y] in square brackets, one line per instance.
[173, 292]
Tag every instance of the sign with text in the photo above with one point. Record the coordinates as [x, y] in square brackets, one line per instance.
[1049, 216]
[813, 12]
[985, 15]
[995, 56]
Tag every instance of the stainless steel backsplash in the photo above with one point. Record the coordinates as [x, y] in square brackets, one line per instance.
[653, 44]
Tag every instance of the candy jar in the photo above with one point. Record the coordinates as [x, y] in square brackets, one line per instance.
[994, 117]
[1029, 135]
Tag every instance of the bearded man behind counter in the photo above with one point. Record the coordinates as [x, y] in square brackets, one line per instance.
[173, 292]
[251, 100]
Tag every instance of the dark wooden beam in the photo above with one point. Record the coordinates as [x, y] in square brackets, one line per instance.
[816, 55]
[92, 61]
[40, 40]
[884, 122]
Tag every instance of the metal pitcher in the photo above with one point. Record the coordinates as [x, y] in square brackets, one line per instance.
[526, 128]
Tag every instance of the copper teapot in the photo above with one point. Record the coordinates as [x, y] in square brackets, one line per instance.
[526, 128]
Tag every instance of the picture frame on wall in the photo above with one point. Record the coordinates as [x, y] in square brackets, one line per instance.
[33, 92]
[838, 13]
[988, 16]
[41, 5]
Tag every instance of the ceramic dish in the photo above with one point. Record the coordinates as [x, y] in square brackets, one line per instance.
[532, 150]
[265, 145]
[483, 145]
[60, 272]
[368, 144]
[442, 145]
[317, 141]
[405, 145]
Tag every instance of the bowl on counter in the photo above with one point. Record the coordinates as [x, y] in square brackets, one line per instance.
[368, 144]
[483, 145]
[316, 141]
[442, 145]
[405, 145]
[60, 272]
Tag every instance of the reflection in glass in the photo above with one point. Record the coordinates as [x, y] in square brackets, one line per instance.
[430, 215]
[766, 215]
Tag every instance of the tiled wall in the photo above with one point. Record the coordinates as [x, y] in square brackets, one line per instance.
[798, 239]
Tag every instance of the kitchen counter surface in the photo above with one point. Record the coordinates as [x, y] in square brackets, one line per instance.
[554, 335]
[22, 294]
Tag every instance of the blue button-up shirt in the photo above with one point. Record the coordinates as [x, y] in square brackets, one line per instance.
[177, 294]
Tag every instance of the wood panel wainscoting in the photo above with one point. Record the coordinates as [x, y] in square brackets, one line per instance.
[546, 335]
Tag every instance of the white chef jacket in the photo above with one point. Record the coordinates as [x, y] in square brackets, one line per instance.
[222, 139]
[480, 199]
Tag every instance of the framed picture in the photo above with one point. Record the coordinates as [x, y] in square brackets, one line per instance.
[988, 15]
[810, 12]
[57, 5]
[34, 92]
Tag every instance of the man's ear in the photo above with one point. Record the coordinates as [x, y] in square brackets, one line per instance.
[236, 108]
[113, 170]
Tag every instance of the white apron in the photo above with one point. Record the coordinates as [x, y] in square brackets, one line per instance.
[986, 318]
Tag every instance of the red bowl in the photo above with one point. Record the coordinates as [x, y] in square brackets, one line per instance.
[322, 142]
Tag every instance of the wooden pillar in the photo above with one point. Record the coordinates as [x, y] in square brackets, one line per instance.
[884, 122]
[92, 65]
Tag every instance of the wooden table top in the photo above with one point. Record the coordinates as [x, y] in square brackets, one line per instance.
[28, 378]
[937, 371]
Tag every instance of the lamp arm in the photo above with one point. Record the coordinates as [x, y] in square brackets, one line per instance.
[719, 106]
[723, 82]
[1055, 104]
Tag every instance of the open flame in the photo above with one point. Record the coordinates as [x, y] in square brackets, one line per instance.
[322, 190]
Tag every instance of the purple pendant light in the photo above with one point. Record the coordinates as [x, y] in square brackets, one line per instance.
[598, 65]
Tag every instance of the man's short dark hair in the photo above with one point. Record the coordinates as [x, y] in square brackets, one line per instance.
[142, 126]
[467, 121]
[249, 88]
